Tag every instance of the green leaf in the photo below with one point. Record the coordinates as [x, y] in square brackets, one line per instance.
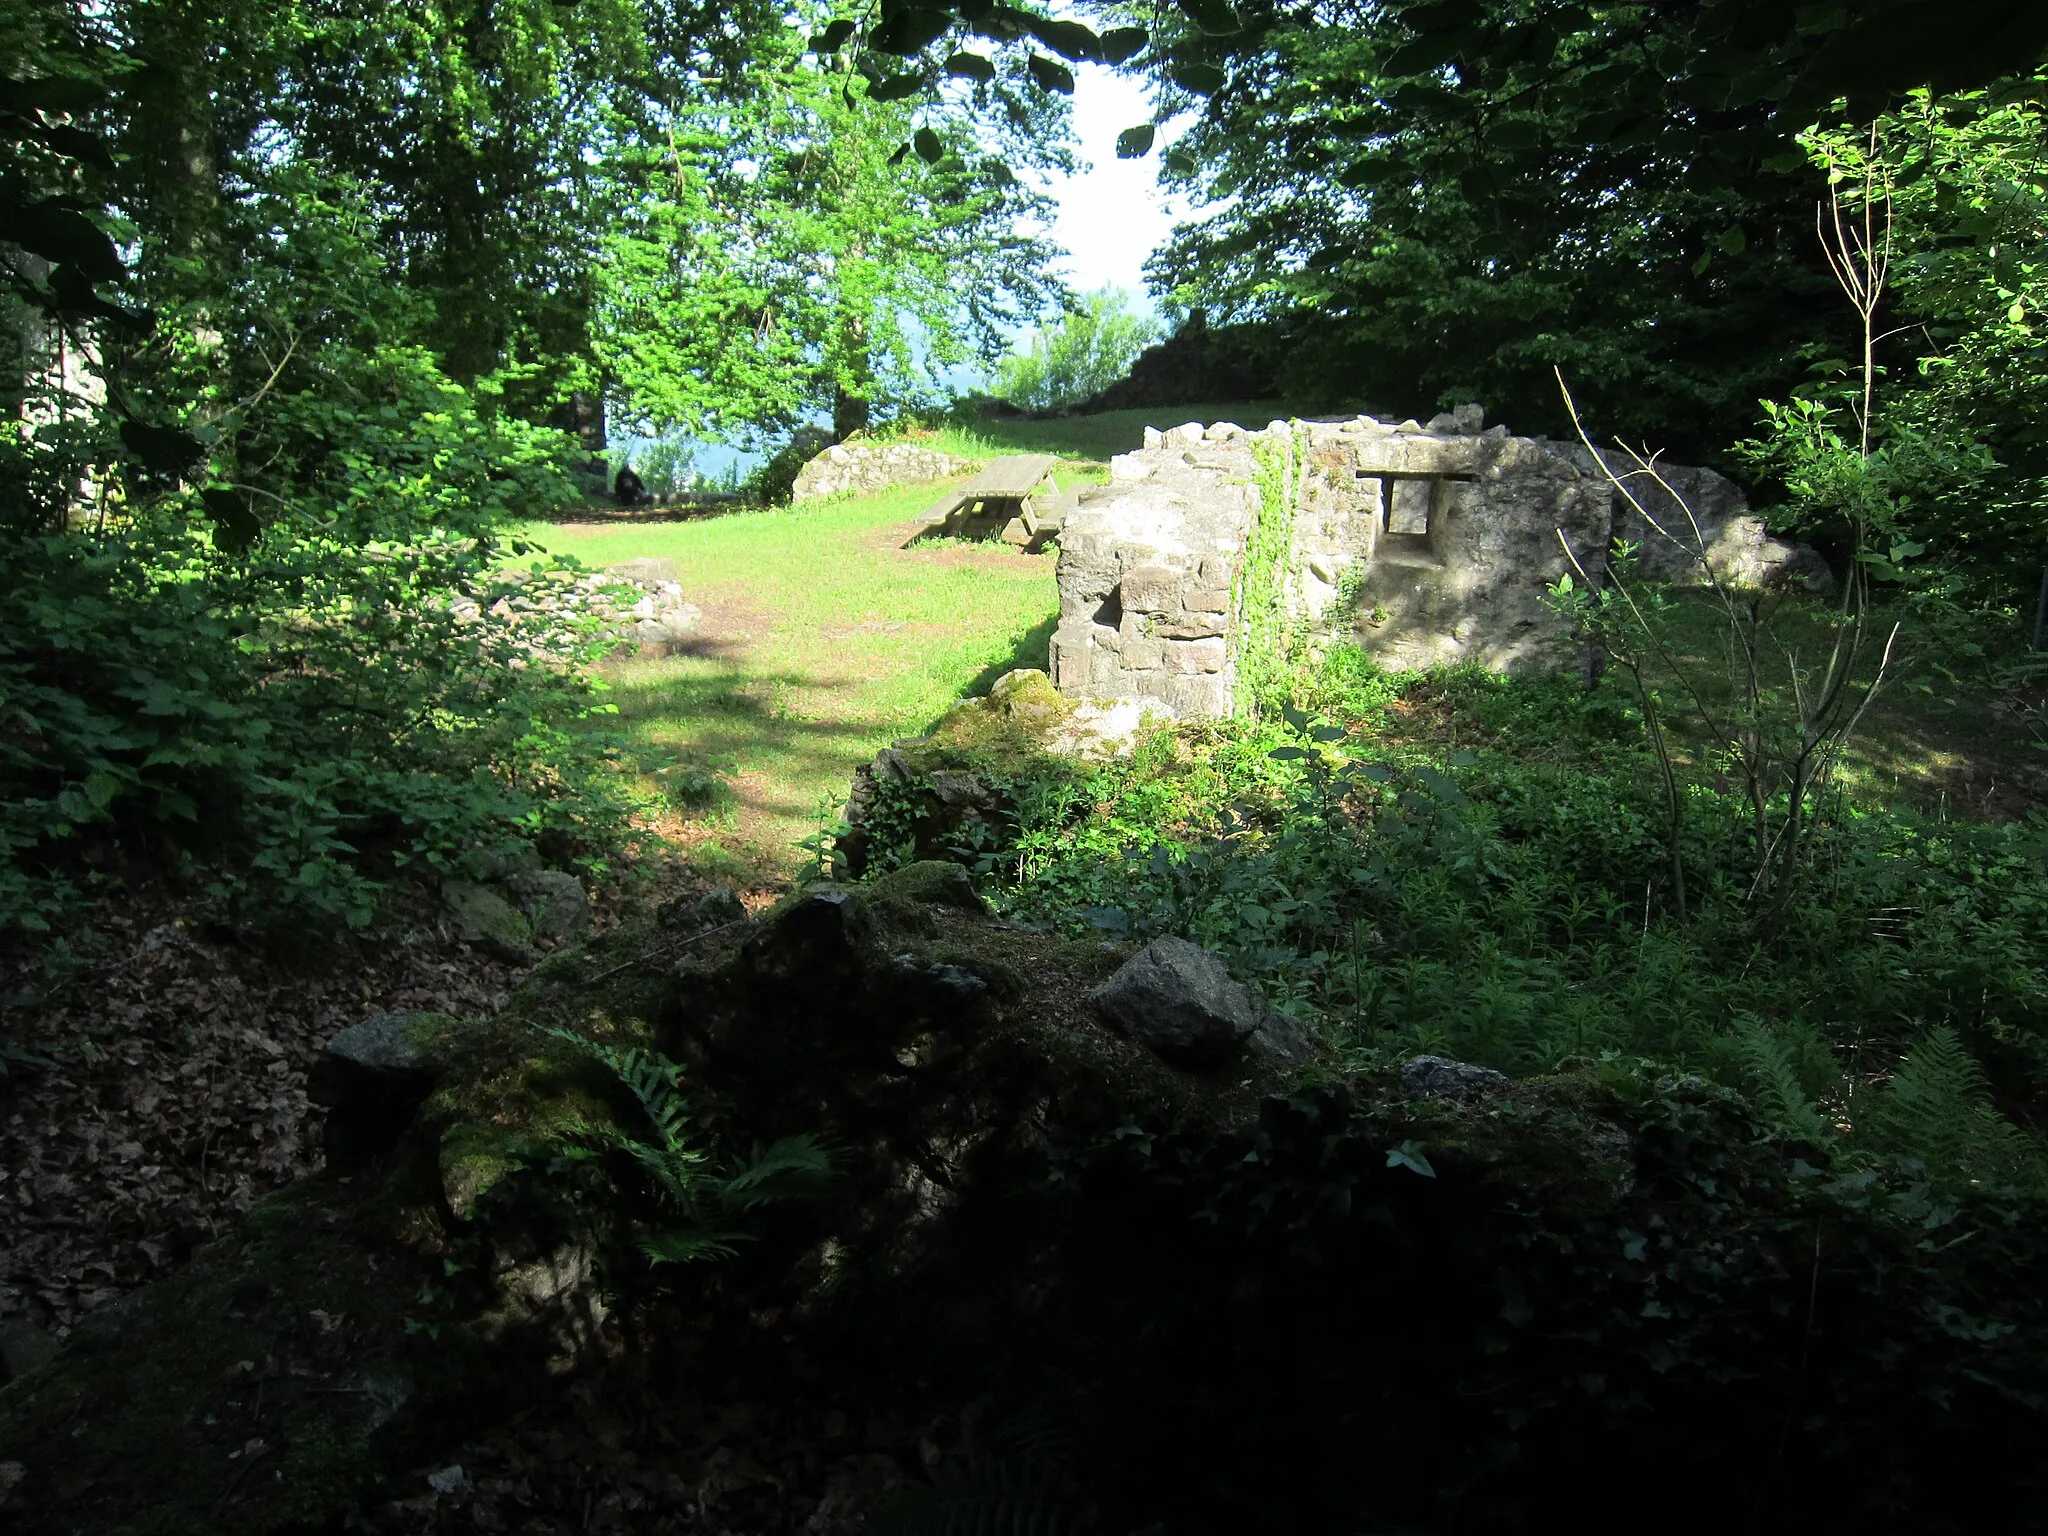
[929, 146]
[910, 31]
[1733, 241]
[1068, 39]
[1201, 79]
[1699, 268]
[1050, 76]
[1135, 143]
[1120, 44]
[970, 66]
[1287, 754]
[834, 37]
[895, 87]
[1213, 16]
[1409, 1155]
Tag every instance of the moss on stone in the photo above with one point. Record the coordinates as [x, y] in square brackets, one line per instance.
[474, 1156]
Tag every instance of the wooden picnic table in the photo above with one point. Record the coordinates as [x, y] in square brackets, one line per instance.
[1002, 502]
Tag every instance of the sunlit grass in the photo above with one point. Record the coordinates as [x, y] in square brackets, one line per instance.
[823, 640]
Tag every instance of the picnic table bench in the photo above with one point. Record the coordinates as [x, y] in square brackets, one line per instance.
[1014, 499]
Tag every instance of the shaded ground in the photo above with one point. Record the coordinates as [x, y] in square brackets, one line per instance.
[176, 1094]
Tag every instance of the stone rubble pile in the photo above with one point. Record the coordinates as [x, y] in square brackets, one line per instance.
[636, 602]
[855, 469]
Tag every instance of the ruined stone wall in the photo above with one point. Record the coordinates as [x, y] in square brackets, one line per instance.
[856, 469]
[1425, 544]
[1148, 571]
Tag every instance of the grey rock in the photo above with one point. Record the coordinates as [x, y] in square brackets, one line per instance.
[646, 573]
[556, 906]
[371, 1078]
[1283, 1039]
[488, 920]
[512, 859]
[945, 984]
[1180, 1002]
[857, 468]
[696, 911]
[1438, 1077]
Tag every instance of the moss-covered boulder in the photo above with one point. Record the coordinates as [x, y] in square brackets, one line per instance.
[1260, 1294]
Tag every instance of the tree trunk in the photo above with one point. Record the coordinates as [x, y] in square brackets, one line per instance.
[849, 414]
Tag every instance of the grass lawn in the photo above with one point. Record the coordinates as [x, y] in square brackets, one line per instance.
[1097, 437]
[823, 639]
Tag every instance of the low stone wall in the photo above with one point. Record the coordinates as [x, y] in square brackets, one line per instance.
[1426, 544]
[853, 469]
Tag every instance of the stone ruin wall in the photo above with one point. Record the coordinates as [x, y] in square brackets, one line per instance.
[1434, 543]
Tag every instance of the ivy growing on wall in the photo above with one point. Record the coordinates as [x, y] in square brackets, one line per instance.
[1264, 628]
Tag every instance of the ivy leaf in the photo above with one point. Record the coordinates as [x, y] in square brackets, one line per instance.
[834, 37]
[1050, 76]
[1213, 16]
[1068, 39]
[1409, 1155]
[1202, 79]
[910, 31]
[1120, 44]
[929, 146]
[970, 66]
[1135, 143]
[895, 87]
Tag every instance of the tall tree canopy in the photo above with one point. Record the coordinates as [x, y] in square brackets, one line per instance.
[1465, 195]
[800, 243]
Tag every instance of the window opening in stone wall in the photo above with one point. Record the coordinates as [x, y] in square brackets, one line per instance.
[1410, 505]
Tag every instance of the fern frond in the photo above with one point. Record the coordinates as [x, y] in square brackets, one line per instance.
[689, 1245]
[794, 1168]
[1772, 1071]
[1938, 1110]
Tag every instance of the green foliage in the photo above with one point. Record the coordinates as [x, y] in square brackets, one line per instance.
[242, 649]
[778, 252]
[1087, 351]
[1937, 1111]
[1265, 634]
[1517, 910]
[703, 1210]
